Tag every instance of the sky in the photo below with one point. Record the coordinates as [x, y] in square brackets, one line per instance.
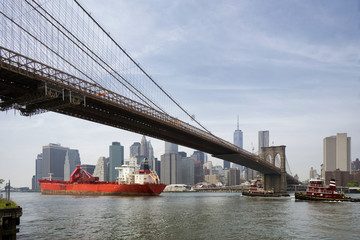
[290, 67]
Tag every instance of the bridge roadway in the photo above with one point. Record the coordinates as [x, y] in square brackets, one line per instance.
[32, 88]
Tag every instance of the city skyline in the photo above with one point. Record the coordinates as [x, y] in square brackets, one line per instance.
[291, 68]
[68, 159]
[127, 157]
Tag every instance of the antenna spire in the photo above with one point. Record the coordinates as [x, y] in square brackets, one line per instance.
[238, 122]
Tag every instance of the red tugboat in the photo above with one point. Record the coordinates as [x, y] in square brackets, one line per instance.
[317, 191]
[256, 190]
[131, 181]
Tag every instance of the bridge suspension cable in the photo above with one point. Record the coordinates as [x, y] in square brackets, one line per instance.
[136, 92]
[62, 46]
[142, 70]
[288, 166]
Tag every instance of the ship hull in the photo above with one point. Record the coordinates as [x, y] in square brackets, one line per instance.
[111, 189]
[263, 194]
[302, 196]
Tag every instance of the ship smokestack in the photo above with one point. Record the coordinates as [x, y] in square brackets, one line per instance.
[332, 185]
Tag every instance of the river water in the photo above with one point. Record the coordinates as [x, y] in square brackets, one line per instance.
[184, 216]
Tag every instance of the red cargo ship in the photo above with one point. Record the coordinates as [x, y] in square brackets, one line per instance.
[317, 191]
[132, 181]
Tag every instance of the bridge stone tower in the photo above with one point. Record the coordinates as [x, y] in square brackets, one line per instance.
[274, 181]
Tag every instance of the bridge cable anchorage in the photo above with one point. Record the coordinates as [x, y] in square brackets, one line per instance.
[107, 65]
[173, 100]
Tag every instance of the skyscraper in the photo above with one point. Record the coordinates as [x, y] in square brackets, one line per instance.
[355, 165]
[53, 161]
[329, 153]
[263, 139]
[312, 173]
[337, 153]
[183, 154]
[135, 149]
[67, 167]
[143, 150]
[198, 171]
[238, 141]
[171, 147]
[116, 153]
[198, 158]
[187, 167]
[171, 171]
[144, 147]
[238, 136]
[33, 182]
[150, 156]
[226, 165]
[234, 177]
[208, 167]
[343, 152]
[157, 166]
[72, 159]
[201, 156]
[38, 173]
[170, 166]
[102, 169]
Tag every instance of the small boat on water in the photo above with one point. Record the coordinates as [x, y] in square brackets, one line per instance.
[318, 191]
[256, 190]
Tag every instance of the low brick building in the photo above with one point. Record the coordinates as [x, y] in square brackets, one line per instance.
[342, 177]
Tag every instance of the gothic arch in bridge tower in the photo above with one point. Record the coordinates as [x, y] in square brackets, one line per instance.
[273, 153]
[277, 160]
[276, 155]
[268, 158]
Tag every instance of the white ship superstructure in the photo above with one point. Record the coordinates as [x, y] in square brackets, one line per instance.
[130, 174]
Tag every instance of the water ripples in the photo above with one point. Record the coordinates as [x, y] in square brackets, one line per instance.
[184, 216]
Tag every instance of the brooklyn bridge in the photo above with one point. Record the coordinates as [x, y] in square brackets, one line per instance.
[54, 56]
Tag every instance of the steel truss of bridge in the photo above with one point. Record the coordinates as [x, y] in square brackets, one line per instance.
[33, 87]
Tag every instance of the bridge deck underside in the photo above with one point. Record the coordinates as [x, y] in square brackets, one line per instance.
[30, 95]
[256, 164]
